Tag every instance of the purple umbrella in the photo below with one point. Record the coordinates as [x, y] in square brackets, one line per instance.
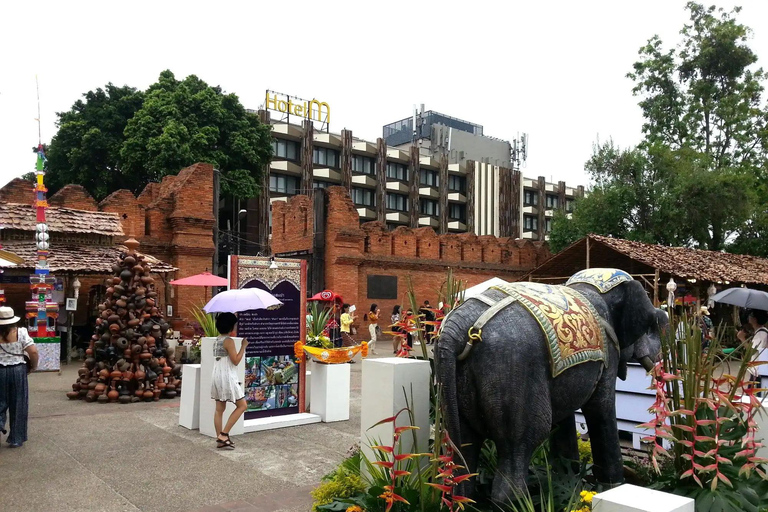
[234, 301]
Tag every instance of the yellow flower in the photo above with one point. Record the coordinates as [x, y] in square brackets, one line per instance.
[354, 508]
[588, 497]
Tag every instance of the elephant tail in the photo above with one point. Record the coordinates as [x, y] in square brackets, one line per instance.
[451, 344]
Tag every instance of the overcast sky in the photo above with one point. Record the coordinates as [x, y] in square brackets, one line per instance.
[555, 70]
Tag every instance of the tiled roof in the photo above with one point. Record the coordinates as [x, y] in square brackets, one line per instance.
[60, 220]
[78, 258]
[639, 258]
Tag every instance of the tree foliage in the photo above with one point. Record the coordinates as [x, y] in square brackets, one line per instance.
[697, 177]
[123, 138]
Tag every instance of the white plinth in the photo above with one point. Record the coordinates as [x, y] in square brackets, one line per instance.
[189, 409]
[630, 498]
[382, 397]
[272, 422]
[307, 389]
[208, 404]
[330, 391]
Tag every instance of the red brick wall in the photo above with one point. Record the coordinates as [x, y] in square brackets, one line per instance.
[353, 252]
[18, 191]
[124, 203]
[75, 197]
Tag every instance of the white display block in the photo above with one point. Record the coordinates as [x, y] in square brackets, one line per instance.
[330, 391]
[208, 404]
[272, 422]
[630, 498]
[189, 408]
[386, 383]
[307, 389]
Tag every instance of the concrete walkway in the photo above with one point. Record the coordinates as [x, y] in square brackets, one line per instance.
[114, 457]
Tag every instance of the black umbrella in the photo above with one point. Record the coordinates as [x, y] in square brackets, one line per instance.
[744, 297]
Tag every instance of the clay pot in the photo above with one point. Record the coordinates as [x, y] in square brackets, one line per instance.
[129, 261]
[134, 322]
[157, 394]
[114, 328]
[116, 374]
[141, 291]
[145, 354]
[148, 395]
[103, 399]
[150, 302]
[116, 281]
[100, 388]
[82, 393]
[81, 372]
[160, 384]
[127, 353]
[140, 375]
[170, 394]
[126, 275]
[72, 395]
[113, 394]
[121, 343]
[141, 340]
[125, 399]
[92, 385]
[135, 399]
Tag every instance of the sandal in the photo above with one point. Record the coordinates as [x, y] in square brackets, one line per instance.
[226, 434]
[224, 443]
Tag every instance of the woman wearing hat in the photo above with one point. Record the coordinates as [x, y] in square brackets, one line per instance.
[15, 343]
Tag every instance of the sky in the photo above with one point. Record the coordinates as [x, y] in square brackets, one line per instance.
[555, 70]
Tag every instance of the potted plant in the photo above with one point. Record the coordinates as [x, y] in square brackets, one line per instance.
[319, 345]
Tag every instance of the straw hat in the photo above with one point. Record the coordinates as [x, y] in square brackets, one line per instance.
[7, 316]
[704, 310]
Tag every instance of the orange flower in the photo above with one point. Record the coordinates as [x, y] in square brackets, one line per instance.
[364, 350]
[354, 508]
[298, 351]
[390, 498]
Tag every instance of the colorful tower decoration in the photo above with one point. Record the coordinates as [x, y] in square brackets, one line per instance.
[41, 307]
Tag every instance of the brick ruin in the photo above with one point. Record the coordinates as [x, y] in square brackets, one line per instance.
[354, 251]
[173, 220]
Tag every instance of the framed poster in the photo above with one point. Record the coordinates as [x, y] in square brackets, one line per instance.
[71, 304]
[274, 382]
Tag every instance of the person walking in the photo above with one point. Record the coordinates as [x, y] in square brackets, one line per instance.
[15, 343]
[429, 316]
[225, 386]
[396, 339]
[346, 321]
[706, 326]
[757, 320]
[373, 326]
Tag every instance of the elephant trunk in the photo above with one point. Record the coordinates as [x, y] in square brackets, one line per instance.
[647, 363]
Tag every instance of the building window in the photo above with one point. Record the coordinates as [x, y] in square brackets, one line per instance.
[569, 205]
[429, 178]
[325, 157]
[429, 207]
[551, 202]
[363, 196]
[397, 202]
[457, 183]
[457, 211]
[287, 149]
[530, 223]
[547, 225]
[363, 165]
[397, 171]
[530, 198]
[282, 184]
[321, 184]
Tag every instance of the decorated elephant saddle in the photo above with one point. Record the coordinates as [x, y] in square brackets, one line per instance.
[604, 279]
[568, 320]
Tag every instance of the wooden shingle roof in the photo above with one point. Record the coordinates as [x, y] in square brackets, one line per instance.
[23, 217]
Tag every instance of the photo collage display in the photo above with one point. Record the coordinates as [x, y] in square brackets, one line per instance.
[271, 382]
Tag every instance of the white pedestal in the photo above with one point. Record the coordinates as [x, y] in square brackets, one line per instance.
[307, 389]
[272, 422]
[189, 409]
[382, 397]
[208, 404]
[330, 391]
[630, 498]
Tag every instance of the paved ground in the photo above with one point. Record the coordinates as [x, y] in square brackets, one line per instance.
[113, 457]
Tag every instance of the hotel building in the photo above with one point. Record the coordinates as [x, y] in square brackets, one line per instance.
[447, 175]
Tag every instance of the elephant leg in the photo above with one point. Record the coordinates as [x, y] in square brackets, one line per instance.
[600, 413]
[471, 445]
[515, 446]
[563, 440]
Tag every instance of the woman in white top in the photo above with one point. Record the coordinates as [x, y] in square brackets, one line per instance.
[757, 319]
[225, 386]
[14, 390]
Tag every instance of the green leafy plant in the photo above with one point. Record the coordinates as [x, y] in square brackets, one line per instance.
[585, 450]
[342, 483]
[206, 320]
[707, 415]
[319, 317]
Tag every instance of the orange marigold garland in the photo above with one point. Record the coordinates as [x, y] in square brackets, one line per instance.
[298, 351]
[364, 350]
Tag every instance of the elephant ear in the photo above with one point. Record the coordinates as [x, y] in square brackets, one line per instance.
[637, 314]
[622, 371]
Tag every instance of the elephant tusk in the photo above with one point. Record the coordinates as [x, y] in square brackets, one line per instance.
[647, 363]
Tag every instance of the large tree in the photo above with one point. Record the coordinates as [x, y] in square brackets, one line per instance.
[124, 138]
[697, 177]
[86, 148]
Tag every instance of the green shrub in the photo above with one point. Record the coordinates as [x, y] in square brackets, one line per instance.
[585, 450]
[341, 484]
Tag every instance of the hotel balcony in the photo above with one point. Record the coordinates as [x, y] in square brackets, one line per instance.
[327, 174]
[432, 192]
[397, 217]
[364, 179]
[397, 186]
[429, 222]
[366, 213]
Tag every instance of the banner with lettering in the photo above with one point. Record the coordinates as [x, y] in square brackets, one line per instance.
[274, 382]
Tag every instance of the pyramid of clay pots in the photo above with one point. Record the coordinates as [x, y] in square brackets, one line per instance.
[128, 359]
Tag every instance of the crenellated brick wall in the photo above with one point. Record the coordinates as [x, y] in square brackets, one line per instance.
[75, 197]
[353, 252]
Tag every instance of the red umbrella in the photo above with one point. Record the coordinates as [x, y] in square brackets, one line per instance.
[204, 279]
[327, 296]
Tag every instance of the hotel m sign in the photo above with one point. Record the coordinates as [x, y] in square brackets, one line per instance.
[292, 106]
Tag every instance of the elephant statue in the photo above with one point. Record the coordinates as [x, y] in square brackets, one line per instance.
[517, 361]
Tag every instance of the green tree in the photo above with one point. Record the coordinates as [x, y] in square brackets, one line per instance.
[702, 103]
[86, 148]
[119, 137]
[187, 121]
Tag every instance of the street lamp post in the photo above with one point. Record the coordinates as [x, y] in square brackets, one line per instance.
[76, 287]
